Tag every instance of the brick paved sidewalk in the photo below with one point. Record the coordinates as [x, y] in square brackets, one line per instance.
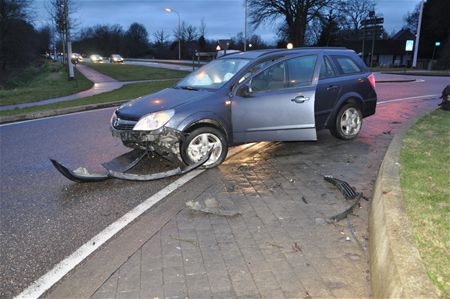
[278, 247]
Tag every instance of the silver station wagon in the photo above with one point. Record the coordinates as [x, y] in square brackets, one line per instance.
[264, 95]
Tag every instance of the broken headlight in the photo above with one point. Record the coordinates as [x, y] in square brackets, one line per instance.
[154, 121]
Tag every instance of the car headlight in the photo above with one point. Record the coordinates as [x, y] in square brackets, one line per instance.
[153, 121]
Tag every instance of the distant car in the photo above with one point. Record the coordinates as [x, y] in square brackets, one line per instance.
[95, 58]
[115, 58]
[76, 58]
[261, 95]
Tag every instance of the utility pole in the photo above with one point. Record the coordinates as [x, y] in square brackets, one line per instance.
[245, 26]
[416, 46]
[69, 43]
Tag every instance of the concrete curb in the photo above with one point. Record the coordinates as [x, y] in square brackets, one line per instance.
[55, 112]
[396, 268]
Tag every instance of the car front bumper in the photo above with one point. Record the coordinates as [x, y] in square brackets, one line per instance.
[164, 141]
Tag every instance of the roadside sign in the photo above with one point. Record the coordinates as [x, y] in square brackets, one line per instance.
[437, 44]
[409, 45]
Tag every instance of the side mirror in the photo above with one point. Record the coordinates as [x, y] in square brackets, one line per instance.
[245, 90]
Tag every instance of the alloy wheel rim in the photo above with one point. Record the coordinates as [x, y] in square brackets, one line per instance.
[201, 145]
[350, 122]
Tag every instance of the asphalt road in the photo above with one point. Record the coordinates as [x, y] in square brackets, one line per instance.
[44, 217]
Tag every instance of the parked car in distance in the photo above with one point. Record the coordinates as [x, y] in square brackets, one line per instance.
[95, 58]
[76, 58]
[115, 58]
[261, 95]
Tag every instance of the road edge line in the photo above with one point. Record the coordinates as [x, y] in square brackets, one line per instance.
[61, 269]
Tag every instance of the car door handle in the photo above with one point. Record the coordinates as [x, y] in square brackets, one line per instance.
[332, 87]
[300, 99]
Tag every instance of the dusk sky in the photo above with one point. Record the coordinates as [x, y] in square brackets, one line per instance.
[223, 18]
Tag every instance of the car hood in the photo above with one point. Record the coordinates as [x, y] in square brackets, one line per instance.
[165, 99]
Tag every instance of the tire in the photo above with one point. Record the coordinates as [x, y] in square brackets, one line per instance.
[199, 142]
[348, 122]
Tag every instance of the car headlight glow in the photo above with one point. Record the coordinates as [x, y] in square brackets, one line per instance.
[153, 121]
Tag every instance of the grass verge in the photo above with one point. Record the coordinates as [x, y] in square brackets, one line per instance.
[127, 72]
[46, 81]
[425, 183]
[126, 92]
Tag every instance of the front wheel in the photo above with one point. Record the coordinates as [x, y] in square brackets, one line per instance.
[200, 141]
[348, 122]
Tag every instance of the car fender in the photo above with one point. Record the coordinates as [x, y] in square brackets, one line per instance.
[204, 117]
[347, 97]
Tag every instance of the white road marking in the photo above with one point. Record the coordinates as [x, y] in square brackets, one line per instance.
[409, 98]
[45, 282]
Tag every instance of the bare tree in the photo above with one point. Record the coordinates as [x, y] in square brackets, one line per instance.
[202, 28]
[296, 13]
[355, 11]
[161, 38]
[60, 13]
[412, 19]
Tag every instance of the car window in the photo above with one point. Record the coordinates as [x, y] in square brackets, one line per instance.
[347, 65]
[326, 70]
[301, 70]
[270, 79]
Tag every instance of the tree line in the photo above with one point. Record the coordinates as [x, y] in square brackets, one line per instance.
[301, 22]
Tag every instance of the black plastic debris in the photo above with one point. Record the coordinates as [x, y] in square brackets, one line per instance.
[344, 214]
[348, 191]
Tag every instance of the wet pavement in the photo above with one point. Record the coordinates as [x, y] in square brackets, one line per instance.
[44, 217]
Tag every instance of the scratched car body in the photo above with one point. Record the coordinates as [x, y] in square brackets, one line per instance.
[264, 95]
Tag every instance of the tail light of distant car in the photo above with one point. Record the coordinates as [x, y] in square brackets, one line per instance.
[372, 80]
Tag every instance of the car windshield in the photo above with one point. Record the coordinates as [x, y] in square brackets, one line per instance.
[115, 56]
[213, 75]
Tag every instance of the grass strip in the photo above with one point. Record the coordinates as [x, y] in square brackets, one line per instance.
[126, 92]
[128, 72]
[47, 81]
[425, 182]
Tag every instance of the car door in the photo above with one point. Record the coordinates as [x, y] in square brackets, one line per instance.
[328, 90]
[280, 104]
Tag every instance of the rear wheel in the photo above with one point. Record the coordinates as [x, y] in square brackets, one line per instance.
[200, 141]
[348, 122]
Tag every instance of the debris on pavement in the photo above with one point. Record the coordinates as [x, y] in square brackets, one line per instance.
[116, 169]
[348, 191]
[387, 132]
[224, 207]
[296, 247]
[274, 245]
[304, 200]
[307, 295]
[192, 242]
[344, 214]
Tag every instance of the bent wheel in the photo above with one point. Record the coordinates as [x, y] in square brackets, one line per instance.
[200, 142]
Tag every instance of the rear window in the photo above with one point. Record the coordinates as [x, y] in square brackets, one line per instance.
[347, 65]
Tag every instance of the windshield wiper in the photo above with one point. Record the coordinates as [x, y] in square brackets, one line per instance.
[188, 88]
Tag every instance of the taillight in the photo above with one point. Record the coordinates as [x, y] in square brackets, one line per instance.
[372, 80]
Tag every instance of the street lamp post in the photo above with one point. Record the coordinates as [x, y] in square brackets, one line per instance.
[245, 26]
[179, 30]
[416, 46]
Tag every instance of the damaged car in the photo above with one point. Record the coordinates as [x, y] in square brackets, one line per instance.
[264, 95]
